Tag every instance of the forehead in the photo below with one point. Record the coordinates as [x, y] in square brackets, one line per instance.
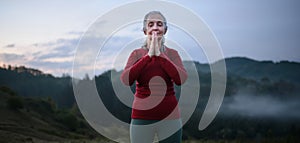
[154, 18]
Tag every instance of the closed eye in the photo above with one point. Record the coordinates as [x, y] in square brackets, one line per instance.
[150, 24]
[159, 23]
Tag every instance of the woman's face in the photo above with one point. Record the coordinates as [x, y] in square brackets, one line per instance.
[155, 24]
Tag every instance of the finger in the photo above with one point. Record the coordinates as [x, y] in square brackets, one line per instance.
[153, 39]
[156, 38]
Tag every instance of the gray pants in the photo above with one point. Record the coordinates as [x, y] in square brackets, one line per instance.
[167, 131]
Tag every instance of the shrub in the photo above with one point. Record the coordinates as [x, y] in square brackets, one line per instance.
[15, 103]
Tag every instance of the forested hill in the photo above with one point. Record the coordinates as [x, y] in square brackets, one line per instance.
[30, 82]
[34, 83]
[256, 70]
[260, 105]
[248, 68]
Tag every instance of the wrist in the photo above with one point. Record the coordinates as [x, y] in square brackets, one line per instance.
[157, 53]
[150, 55]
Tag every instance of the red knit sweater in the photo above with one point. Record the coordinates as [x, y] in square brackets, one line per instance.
[155, 97]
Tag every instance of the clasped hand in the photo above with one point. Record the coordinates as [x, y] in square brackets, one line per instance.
[154, 47]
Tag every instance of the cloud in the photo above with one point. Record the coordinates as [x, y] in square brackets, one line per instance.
[10, 58]
[91, 56]
[61, 48]
[75, 33]
[55, 57]
[99, 50]
[57, 68]
[91, 52]
[10, 46]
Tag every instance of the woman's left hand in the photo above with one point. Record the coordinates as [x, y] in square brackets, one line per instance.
[157, 48]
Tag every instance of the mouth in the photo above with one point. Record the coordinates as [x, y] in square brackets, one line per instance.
[157, 32]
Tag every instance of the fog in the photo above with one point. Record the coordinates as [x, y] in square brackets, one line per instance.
[262, 106]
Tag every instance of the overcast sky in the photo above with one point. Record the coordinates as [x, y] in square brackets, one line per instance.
[44, 34]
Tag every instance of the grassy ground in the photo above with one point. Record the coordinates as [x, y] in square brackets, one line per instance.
[35, 124]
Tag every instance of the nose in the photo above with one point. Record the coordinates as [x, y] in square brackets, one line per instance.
[155, 27]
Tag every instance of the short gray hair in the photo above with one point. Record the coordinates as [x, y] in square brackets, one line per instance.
[151, 13]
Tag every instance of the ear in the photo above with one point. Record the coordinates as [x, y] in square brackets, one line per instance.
[144, 30]
[166, 29]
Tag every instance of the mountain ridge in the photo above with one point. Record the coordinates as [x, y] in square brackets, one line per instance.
[254, 69]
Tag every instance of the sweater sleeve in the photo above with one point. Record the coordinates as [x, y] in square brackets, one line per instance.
[173, 67]
[133, 68]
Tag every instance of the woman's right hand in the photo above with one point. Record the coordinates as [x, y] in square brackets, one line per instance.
[153, 44]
